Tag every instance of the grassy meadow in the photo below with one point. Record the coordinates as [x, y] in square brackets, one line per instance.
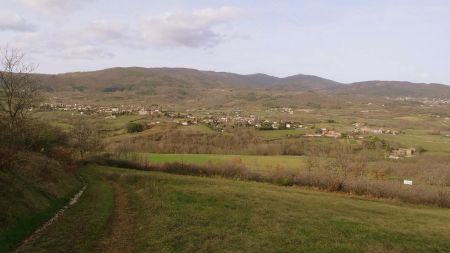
[432, 143]
[171, 213]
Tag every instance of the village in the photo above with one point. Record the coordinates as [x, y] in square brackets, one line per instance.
[425, 100]
[217, 120]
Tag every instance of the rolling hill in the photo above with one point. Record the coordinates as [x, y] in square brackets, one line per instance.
[117, 79]
[396, 89]
[147, 80]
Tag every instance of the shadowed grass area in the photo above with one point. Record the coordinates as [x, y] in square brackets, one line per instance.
[30, 194]
[81, 226]
[24, 226]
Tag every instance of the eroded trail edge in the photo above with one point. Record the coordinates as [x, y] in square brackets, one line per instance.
[55, 217]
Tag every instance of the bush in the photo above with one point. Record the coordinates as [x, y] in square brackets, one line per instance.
[266, 126]
[134, 127]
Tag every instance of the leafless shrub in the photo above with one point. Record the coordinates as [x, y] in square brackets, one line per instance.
[85, 138]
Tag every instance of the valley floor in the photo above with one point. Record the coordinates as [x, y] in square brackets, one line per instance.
[136, 211]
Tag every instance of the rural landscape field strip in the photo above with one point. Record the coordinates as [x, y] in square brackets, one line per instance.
[125, 210]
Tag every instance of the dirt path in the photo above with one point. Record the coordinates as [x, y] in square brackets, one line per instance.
[119, 234]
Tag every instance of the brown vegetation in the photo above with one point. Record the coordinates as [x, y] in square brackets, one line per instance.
[240, 141]
[335, 181]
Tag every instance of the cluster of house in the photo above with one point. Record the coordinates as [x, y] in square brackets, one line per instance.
[426, 100]
[361, 128]
[109, 111]
[401, 153]
[66, 107]
[217, 120]
[220, 120]
[267, 124]
[324, 132]
[154, 111]
[288, 110]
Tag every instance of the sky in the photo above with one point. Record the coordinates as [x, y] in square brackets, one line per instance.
[342, 40]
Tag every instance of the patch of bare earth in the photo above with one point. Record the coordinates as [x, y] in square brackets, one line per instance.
[119, 234]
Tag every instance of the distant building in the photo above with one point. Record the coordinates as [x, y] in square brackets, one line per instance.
[401, 153]
[330, 133]
[142, 112]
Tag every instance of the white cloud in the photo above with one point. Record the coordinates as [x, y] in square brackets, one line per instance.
[189, 29]
[85, 52]
[55, 5]
[99, 38]
[103, 30]
[79, 44]
[14, 22]
[87, 43]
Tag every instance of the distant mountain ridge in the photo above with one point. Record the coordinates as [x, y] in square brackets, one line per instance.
[397, 89]
[138, 78]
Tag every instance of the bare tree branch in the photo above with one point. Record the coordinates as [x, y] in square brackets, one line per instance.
[19, 91]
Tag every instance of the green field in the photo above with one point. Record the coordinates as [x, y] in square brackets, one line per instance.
[254, 162]
[171, 213]
[433, 143]
[121, 121]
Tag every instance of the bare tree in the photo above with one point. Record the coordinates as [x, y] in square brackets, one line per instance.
[85, 137]
[18, 93]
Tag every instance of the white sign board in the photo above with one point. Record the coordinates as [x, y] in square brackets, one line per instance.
[408, 182]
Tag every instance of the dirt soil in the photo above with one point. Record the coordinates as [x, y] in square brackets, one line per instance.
[119, 234]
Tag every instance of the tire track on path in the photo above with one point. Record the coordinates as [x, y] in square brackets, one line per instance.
[119, 234]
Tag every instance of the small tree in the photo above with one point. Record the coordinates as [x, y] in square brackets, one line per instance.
[85, 138]
[134, 127]
[266, 126]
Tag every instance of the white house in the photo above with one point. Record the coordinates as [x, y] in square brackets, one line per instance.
[142, 112]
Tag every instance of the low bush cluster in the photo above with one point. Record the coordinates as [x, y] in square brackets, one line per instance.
[134, 127]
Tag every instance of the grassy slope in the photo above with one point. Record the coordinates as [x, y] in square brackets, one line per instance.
[30, 195]
[193, 214]
[82, 225]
